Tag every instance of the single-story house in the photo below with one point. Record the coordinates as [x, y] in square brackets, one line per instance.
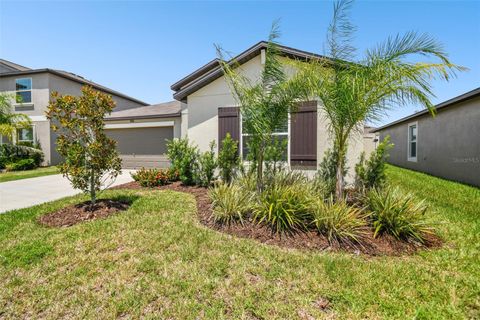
[447, 145]
[204, 110]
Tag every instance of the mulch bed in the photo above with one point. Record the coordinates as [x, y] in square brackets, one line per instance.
[81, 212]
[384, 245]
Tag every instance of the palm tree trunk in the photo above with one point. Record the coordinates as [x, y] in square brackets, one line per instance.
[339, 183]
[93, 195]
[260, 156]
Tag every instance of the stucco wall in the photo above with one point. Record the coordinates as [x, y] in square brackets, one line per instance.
[43, 84]
[201, 120]
[448, 145]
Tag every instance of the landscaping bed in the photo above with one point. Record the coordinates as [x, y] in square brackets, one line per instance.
[310, 240]
[81, 212]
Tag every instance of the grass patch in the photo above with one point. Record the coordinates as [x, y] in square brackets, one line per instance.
[156, 261]
[18, 175]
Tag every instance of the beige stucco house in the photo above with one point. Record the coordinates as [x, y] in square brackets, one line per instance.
[447, 145]
[204, 109]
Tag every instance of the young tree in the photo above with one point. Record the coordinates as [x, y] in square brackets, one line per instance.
[90, 157]
[364, 89]
[10, 121]
[265, 102]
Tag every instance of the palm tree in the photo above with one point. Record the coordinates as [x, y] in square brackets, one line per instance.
[10, 121]
[264, 102]
[364, 89]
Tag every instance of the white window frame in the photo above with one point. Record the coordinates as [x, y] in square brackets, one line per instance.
[409, 142]
[288, 133]
[31, 91]
[34, 135]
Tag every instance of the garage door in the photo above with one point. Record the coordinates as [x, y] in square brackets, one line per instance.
[142, 147]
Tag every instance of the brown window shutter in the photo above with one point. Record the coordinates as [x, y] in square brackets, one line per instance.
[303, 127]
[228, 122]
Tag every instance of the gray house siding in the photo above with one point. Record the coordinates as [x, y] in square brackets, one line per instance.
[448, 145]
[43, 84]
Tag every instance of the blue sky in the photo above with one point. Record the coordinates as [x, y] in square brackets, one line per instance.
[141, 48]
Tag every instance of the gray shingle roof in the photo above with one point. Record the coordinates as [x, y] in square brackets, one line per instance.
[161, 110]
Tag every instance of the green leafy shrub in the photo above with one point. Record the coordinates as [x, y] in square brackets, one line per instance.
[206, 167]
[398, 214]
[230, 203]
[228, 160]
[370, 173]
[275, 156]
[12, 153]
[327, 171]
[20, 165]
[184, 159]
[151, 177]
[339, 222]
[173, 174]
[285, 208]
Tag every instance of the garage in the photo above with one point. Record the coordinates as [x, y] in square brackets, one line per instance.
[142, 147]
[142, 134]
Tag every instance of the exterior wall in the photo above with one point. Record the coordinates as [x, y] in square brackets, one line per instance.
[369, 144]
[43, 84]
[200, 117]
[448, 145]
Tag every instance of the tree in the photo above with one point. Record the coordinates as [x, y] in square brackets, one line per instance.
[90, 157]
[10, 121]
[353, 91]
[264, 102]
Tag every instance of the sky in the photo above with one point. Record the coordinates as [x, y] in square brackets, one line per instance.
[140, 48]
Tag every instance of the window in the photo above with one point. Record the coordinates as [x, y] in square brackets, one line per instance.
[280, 136]
[412, 142]
[25, 136]
[23, 90]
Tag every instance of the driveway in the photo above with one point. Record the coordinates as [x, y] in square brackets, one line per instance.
[28, 192]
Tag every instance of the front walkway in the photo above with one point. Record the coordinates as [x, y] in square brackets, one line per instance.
[28, 192]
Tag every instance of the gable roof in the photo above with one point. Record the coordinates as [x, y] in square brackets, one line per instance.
[13, 66]
[69, 76]
[162, 110]
[212, 70]
[463, 97]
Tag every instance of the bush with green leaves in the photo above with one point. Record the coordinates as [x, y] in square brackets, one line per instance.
[151, 177]
[327, 170]
[285, 208]
[339, 222]
[10, 153]
[228, 160]
[230, 203]
[398, 214]
[275, 156]
[206, 167]
[370, 173]
[184, 159]
[21, 165]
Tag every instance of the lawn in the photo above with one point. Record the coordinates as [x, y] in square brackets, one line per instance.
[156, 261]
[17, 175]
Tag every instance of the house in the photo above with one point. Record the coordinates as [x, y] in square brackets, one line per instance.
[33, 88]
[209, 111]
[204, 110]
[447, 145]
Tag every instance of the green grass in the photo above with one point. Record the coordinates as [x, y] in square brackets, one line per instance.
[156, 261]
[17, 175]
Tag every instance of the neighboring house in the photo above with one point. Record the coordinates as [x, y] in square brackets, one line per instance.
[447, 145]
[32, 89]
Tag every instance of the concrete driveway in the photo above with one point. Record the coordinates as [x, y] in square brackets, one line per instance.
[28, 192]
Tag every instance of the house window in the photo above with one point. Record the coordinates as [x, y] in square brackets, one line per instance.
[25, 136]
[280, 136]
[412, 142]
[23, 89]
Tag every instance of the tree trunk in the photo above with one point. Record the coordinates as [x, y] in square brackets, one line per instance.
[260, 167]
[93, 195]
[339, 183]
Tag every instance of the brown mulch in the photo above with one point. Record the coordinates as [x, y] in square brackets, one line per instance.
[310, 240]
[81, 212]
